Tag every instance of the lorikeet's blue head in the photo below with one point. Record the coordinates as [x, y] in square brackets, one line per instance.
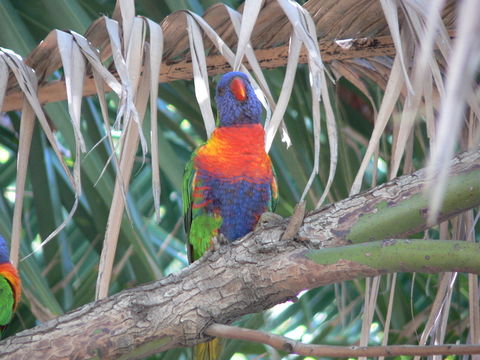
[4, 251]
[237, 103]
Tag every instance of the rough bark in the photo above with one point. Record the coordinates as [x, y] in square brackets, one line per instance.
[247, 276]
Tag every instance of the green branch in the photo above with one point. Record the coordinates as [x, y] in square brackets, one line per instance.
[391, 219]
[429, 256]
[396, 209]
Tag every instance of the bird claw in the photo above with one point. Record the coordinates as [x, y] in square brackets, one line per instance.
[218, 241]
[268, 220]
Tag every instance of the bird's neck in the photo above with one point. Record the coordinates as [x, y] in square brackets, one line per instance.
[239, 138]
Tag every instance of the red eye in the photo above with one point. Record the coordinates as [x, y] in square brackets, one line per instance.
[238, 88]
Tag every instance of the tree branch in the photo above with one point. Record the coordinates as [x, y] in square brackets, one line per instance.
[390, 256]
[255, 273]
[295, 347]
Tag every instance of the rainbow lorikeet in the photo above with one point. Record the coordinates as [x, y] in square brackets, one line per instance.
[229, 181]
[10, 286]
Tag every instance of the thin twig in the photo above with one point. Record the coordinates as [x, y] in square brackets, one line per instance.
[291, 346]
[295, 222]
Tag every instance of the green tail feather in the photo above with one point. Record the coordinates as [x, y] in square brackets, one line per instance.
[208, 351]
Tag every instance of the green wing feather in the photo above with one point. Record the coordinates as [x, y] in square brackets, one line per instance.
[200, 226]
[187, 197]
[274, 191]
[6, 301]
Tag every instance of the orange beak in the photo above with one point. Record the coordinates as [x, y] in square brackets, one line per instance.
[238, 89]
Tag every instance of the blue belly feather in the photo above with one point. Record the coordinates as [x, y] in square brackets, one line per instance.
[239, 202]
